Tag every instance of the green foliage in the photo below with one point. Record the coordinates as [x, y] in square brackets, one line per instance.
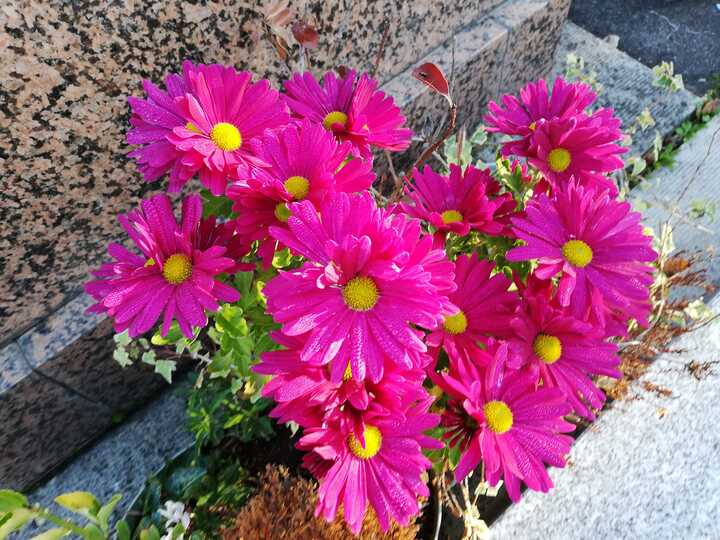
[216, 206]
[462, 150]
[666, 78]
[212, 486]
[575, 71]
[16, 512]
[129, 351]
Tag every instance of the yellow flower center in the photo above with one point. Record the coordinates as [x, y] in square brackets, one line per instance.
[297, 186]
[455, 324]
[192, 127]
[547, 348]
[348, 373]
[499, 416]
[451, 216]
[226, 136]
[335, 117]
[177, 268]
[577, 253]
[373, 443]
[559, 159]
[360, 293]
[532, 126]
[282, 212]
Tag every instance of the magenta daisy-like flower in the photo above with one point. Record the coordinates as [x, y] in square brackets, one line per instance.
[520, 116]
[304, 162]
[576, 147]
[360, 291]
[597, 246]
[481, 306]
[562, 351]
[508, 424]
[352, 108]
[463, 201]
[173, 276]
[224, 111]
[306, 392]
[152, 120]
[383, 467]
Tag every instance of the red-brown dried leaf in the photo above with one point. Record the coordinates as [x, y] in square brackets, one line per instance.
[342, 71]
[277, 13]
[432, 76]
[305, 34]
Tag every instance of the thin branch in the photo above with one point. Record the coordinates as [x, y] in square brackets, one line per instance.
[397, 182]
[381, 50]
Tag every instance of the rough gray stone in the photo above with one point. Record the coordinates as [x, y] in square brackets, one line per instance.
[627, 85]
[124, 459]
[648, 468]
[692, 180]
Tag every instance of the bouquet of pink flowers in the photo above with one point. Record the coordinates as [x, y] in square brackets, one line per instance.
[491, 297]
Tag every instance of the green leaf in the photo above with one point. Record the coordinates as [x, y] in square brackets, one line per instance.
[80, 502]
[148, 357]
[177, 531]
[121, 357]
[150, 534]
[165, 368]
[18, 519]
[215, 206]
[11, 500]
[122, 530]
[93, 532]
[182, 481]
[123, 339]
[51, 534]
[104, 513]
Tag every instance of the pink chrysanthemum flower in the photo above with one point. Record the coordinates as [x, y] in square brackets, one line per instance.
[173, 276]
[597, 246]
[562, 351]
[361, 289]
[520, 117]
[224, 111]
[482, 306]
[383, 467]
[352, 108]
[305, 163]
[306, 392]
[463, 201]
[502, 420]
[577, 147]
[152, 120]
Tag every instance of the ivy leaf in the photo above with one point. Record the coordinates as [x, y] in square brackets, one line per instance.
[149, 357]
[122, 357]
[165, 368]
[123, 339]
[18, 518]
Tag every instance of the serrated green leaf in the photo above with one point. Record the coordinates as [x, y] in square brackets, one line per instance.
[82, 502]
[148, 357]
[121, 357]
[165, 368]
[93, 532]
[11, 500]
[18, 519]
[106, 510]
[122, 530]
[150, 533]
[215, 206]
[51, 534]
[123, 338]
